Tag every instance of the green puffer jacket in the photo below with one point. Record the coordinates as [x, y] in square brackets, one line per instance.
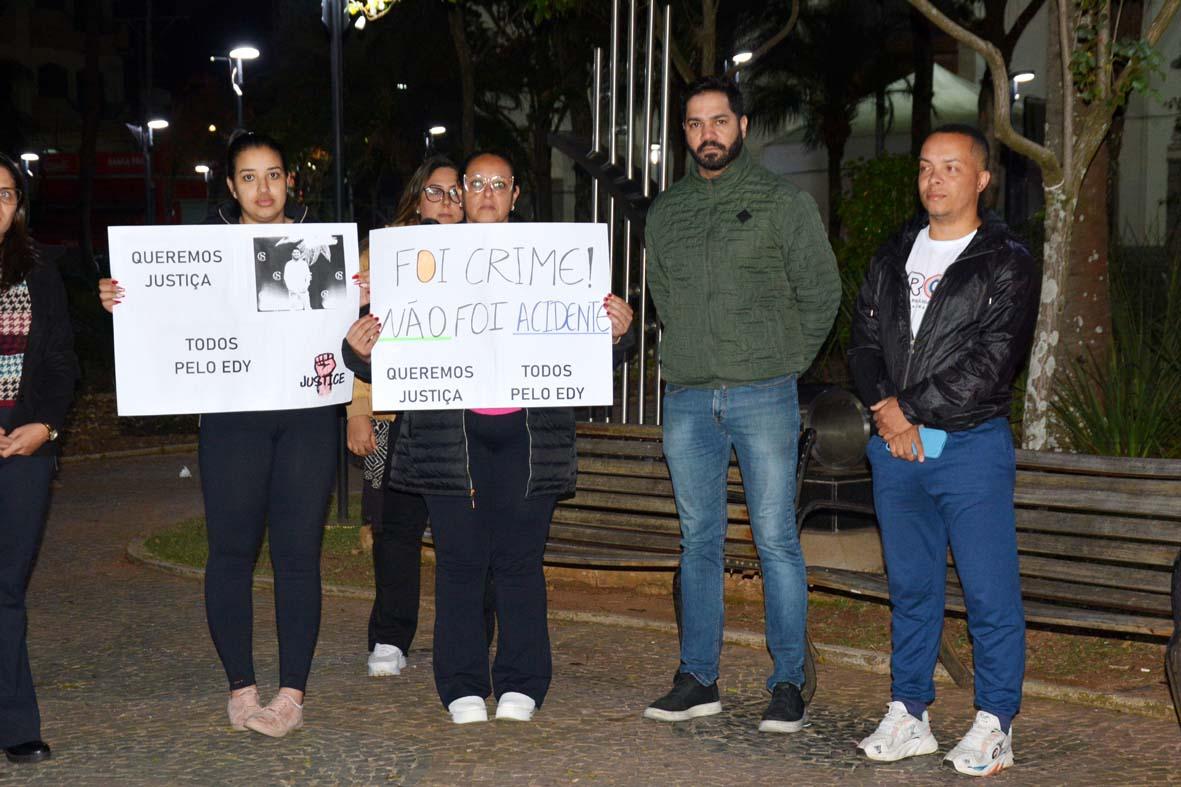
[742, 276]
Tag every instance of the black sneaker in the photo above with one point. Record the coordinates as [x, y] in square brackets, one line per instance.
[688, 700]
[785, 713]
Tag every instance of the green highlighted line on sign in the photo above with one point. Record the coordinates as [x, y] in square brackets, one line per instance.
[415, 339]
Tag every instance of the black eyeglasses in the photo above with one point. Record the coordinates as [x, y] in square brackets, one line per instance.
[10, 196]
[436, 194]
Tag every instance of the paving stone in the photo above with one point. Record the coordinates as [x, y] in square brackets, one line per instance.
[132, 692]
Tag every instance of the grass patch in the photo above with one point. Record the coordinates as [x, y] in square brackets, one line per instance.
[342, 559]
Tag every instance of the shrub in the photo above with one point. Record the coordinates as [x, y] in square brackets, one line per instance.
[880, 199]
[1129, 402]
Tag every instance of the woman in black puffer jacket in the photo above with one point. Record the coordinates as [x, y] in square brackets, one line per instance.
[491, 479]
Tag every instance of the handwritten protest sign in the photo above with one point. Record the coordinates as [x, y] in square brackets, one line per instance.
[491, 315]
[225, 318]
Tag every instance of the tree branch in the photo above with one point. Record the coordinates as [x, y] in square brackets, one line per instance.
[1163, 19]
[1064, 48]
[773, 41]
[1052, 172]
[1019, 25]
[680, 62]
[1103, 52]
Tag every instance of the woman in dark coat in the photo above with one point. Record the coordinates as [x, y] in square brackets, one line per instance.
[491, 479]
[38, 369]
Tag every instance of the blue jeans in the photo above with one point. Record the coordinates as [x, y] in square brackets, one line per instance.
[761, 421]
[963, 499]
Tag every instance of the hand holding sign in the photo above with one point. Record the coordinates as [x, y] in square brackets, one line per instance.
[491, 315]
[225, 318]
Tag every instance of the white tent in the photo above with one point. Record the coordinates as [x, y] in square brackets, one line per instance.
[784, 152]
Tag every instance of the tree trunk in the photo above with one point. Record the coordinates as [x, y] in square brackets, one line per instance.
[986, 122]
[1039, 388]
[924, 78]
[1037, 434]
[879, 122]
[708, 36]
[467, 76]
[1086, 314]
[836, 153]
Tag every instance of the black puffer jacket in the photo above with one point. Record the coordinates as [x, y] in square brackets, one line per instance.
[431, 457]
[958, 371]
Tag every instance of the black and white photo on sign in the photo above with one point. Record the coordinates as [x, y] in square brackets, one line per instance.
[295, 273]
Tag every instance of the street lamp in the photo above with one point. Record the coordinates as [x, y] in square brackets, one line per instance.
[206, 174]
[431, 133]
[145, 134]
[1018, 79]
[739, 59]
[29, 159]
[237, 71]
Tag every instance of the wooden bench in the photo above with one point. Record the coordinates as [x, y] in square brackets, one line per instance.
[1098, 537]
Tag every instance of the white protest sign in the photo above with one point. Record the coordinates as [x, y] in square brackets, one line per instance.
[224, 318]
[491, 315]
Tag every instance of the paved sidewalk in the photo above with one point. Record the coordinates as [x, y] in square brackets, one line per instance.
[132, 693]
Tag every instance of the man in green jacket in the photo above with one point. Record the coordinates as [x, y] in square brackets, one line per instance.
[746, 285]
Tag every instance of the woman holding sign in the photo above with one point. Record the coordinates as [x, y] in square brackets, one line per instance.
[491, 479]
[37, 373]
[398, 519]
[261, 469]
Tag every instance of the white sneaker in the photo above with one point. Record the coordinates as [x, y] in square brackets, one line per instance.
[386, 660]
[899, 735]
[515, 706]
[985, 750]
[466, 710]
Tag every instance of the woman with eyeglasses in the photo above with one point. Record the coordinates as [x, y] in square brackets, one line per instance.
[262, 472]
[397, 518]
[37, 373]
[491, 479]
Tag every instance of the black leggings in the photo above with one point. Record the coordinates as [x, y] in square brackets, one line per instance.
[261, 469]
[503, 533]
[24, 494]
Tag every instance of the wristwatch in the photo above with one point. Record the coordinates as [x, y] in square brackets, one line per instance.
[52, 432]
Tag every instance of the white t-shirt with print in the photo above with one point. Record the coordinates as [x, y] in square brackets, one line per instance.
[925, 267]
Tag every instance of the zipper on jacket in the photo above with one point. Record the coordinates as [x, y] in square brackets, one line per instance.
[529, 435]
[467, 458]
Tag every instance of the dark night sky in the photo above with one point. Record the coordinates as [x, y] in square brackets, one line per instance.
[186, 33]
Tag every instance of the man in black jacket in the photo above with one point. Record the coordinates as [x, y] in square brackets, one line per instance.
[941, 326]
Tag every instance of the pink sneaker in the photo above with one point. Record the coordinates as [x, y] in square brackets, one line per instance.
[278, 718]
[242, 706]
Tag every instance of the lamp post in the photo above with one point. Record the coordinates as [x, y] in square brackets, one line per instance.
[738, 59]
[236, 58]
[145, 135]
[28, 159]
[334, 14]
[206, 173]
[431, 134]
